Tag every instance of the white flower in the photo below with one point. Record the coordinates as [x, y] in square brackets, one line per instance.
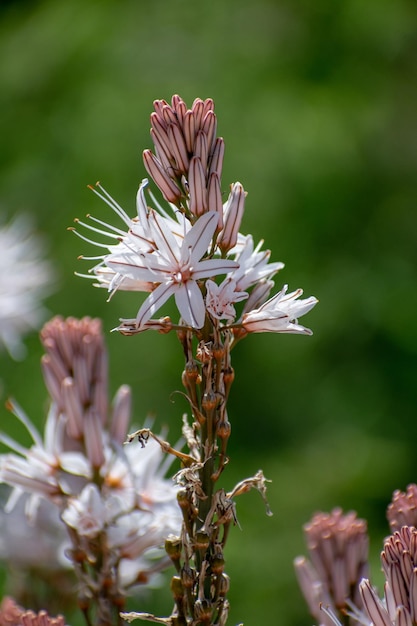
[253, 264]
[161, 255]
[87, 513]
[37, 544]
[174, 268]
[45, 469]
[220, 299]
[25, 278]
[279, 314]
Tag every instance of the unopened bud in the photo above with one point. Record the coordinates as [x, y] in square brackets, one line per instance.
[197, 186]
[169, 189]
[233, 213]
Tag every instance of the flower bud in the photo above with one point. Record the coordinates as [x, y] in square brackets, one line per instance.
[233, 213]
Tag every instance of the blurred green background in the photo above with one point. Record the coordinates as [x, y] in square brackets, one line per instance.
[317, 105]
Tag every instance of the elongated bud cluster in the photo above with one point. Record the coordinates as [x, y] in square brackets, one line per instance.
[188, 159]
[403, 508]
[338, 548]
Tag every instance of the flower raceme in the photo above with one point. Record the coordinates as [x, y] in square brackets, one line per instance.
[180, 250]
[115, 503]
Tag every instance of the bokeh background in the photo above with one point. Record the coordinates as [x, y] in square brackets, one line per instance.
[317, 105]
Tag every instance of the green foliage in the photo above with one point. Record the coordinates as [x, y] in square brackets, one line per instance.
[316, 101]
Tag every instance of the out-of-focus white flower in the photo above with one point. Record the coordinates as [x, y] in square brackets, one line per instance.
[86, 513]
[279, 314]
[101, 488]
[26, 277]
[38, 543]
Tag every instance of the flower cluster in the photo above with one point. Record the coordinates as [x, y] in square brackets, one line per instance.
[11, 614]
[114, 502]
[180, 251]
[335, 583]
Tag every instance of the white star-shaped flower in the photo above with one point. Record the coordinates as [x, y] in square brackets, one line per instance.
[279, 314]
[174, 267]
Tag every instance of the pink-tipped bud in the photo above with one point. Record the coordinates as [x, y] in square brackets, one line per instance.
[197, 186]
[198, 109]
[216, 159]
[208, 106]
[169, 115]
[122, 405]
[73, 409]
[93, 439]
[189, 130]
[162, 152]
[233, 214]
[215, 198]
[201, 149]
[158, 106]
[160, 129]
[178, 147]
[179, 107]
[210, 127]
[169, 189]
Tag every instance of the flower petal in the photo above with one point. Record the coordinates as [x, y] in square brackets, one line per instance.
[190, 303]
[154, 301]
[198, 239]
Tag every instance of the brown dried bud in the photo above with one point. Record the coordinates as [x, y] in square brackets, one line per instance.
[228, 376]
[217, 564]
[209, 401]
[224, 429]
[224, 585]
[192, 372]
[183, 500]
[218, 351]
[202, 540]
[188, 576]
[177, 588]
[203, 610]
[173, 547]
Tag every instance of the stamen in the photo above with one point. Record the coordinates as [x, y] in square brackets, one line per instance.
[98, 230]
[84, 238]
[113, 228]
[23, 418]
[106, 197]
